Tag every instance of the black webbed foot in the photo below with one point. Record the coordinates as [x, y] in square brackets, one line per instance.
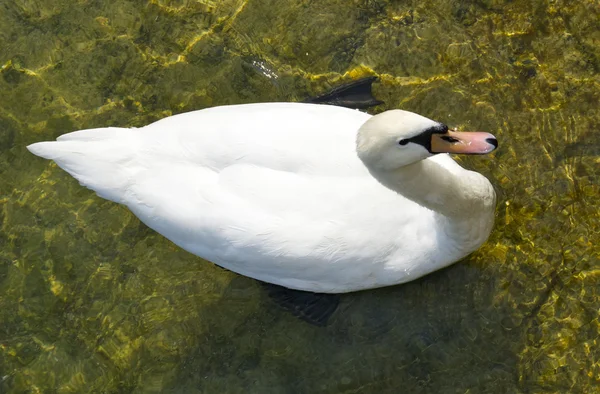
[356, 95]
[314, 308]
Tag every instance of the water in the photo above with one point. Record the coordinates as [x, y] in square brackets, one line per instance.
[93, 301]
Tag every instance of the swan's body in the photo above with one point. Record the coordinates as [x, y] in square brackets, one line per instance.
[277, 192]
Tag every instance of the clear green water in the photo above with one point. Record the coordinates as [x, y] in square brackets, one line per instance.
[93, 301]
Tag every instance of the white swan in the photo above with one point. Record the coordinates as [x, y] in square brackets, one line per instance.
[310, 197]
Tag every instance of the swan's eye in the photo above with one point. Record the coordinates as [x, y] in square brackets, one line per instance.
[449, 139]
[403, 142]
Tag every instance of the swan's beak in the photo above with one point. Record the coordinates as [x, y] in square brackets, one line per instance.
[470, 142]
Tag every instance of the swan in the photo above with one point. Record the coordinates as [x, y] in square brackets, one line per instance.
[310, 197]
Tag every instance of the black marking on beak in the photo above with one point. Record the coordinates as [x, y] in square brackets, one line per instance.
[491, 141]
[424, 139]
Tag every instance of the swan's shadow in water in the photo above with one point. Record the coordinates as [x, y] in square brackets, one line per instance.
[423, 331]
[366, 315]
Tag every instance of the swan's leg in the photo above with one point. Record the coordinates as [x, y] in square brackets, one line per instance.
[314, 308]
[356, 94]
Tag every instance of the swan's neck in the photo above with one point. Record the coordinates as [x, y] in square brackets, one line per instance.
[456, 193]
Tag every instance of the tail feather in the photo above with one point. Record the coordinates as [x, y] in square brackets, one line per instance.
[100, 159]
[104, 133]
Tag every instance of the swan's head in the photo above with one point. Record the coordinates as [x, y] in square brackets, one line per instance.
[395, 138]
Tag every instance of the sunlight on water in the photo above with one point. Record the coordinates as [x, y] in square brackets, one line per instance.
[91, 300]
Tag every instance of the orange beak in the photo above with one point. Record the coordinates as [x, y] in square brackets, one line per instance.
[473, 143]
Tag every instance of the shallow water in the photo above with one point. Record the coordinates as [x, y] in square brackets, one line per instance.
[91, 300]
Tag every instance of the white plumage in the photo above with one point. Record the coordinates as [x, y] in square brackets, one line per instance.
[277, 192]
